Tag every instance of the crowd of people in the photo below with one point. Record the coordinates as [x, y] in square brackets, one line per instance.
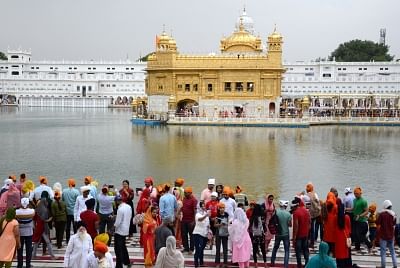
[172, 221]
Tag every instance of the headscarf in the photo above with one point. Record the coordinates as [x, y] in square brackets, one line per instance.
[239, 227]
[149, 180]
[42, 207]
[7, 183]
[168, 256]
[144, 201]
[322, 259]
[57, 187]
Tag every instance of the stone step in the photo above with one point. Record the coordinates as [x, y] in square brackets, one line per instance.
[362, 258]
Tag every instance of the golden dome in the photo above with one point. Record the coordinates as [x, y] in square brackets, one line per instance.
[275, 34]
[241, 40]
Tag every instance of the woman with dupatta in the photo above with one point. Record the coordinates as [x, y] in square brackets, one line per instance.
[269, 212]
[241, 242]
[169, 256]
[9, 238]
[142, 206]
[149, 226]
[330, 222]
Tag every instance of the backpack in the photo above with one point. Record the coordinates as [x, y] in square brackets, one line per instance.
[315, 209]
[273, 224]
[259, 230]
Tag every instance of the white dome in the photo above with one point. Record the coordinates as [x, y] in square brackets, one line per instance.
[248, 23]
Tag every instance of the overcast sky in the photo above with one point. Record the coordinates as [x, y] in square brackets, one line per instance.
[115, 29]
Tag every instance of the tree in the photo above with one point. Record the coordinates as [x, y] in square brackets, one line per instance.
[358, 50]
[144, 58]
[3, 56]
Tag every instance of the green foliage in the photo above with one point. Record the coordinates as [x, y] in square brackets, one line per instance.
[358, 50]
[144, 58]
[3, 56]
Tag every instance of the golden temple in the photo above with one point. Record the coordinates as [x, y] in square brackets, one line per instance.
[244, 79]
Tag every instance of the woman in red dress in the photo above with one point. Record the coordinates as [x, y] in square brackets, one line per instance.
[142, 206]
[149, 226]
[330, 222]
[343, 231]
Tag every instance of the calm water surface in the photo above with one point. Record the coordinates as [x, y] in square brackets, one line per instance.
[62, 143]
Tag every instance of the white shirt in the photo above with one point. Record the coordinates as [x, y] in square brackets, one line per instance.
[77, 251]
[38, 192]
[123, 220]
[201, 227]
[93, 261]
[230, 206]
[80, 206]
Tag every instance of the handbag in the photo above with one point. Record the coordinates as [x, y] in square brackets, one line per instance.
[138, 219]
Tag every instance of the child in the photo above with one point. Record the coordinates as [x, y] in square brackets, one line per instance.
[372, 223]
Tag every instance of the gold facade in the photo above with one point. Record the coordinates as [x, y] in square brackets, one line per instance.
[243, 71]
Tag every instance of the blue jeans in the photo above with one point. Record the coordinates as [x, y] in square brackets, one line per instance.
[286, 246]
[200, 243]
[390, 244]
[302, 247]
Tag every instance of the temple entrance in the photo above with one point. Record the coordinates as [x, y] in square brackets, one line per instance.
[271, 109]
[187, 107]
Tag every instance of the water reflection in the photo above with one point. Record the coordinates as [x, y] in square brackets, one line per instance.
[61, 143]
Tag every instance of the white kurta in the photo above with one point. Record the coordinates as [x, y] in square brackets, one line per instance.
[93, 261]
[76, 254]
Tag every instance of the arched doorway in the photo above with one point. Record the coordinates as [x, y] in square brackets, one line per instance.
[271, 109]
[187, 107]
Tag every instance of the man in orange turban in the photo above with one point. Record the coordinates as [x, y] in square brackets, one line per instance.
[42, 187]
[230, 204]
[69, 196]
[360, 214]
[188, 210]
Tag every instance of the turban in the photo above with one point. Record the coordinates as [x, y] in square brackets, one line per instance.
[179, 182]
[309, 187]
[226, 190]
[188, 189]
[387, 204]
[372, 207]
[71, 182]
[149, 180]
[100, 247]
[347, 190]
[102, 238]
[25, 202]
[215, 194]
[283, 203]
[43, 179]
[88, 179]
[221, 205]
[13, 178]
[28, 186]
[85, 188]
[357, 190]
[211, 181]
[160, 188]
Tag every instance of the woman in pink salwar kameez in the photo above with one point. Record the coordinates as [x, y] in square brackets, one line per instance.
[241, 242]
